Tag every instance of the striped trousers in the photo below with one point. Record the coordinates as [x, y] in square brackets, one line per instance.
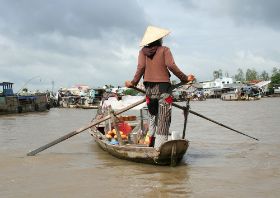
[159, 124]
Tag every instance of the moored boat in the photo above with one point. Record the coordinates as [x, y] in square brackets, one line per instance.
[21, 102]
[245, 93]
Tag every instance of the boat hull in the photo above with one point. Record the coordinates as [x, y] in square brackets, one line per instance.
[170, 153]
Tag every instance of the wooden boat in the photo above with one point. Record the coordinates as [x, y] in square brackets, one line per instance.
[169, 153]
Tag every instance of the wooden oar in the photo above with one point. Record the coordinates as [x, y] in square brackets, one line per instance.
[71, 134]
[202, 116]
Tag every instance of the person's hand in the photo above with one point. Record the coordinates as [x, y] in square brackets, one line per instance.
[191, 78]
[128, 84]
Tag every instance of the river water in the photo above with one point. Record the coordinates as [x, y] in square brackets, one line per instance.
[218, 163]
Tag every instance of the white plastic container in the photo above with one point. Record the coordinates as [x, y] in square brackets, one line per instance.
[176, 135]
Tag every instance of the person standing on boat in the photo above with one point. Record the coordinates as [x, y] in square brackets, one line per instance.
[154, 63]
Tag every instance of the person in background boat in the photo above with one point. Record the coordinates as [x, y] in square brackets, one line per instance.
[154, 63]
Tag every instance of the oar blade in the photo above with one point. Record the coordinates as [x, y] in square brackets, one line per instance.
[42, 148]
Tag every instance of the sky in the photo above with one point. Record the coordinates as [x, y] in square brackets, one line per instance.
[62, 43]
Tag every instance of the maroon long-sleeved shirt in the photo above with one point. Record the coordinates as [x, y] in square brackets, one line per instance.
[157, 69]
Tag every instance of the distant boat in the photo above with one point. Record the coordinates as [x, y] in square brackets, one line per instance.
[16, 103]
[245, 93]
[90, 99]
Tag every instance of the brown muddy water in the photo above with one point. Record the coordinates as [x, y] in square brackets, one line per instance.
[218, 163]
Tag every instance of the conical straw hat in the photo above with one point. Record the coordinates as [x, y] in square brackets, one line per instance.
[152, 34]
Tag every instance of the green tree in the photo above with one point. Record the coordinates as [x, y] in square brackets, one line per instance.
[217, 74]
[275, 70]
[275, 78]
[264, 75]
[220, 73]
[251, 74]
[240, 75]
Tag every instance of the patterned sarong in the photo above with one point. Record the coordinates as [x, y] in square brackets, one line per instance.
[160, 121]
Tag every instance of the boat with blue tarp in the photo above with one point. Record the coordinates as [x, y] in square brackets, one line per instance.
[17, 103]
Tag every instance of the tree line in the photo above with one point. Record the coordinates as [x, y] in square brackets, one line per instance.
[251, 74]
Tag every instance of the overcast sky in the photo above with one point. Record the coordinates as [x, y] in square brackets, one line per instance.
[96, 42]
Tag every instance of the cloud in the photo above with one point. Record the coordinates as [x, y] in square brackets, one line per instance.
[93, 62]
[256, 60]
[96, 42]
[241, 12]
[255, 12]
[68, 41]
[206, 36]
[87, 19]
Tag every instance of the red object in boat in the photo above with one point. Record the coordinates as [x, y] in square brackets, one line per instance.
[125, 127]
